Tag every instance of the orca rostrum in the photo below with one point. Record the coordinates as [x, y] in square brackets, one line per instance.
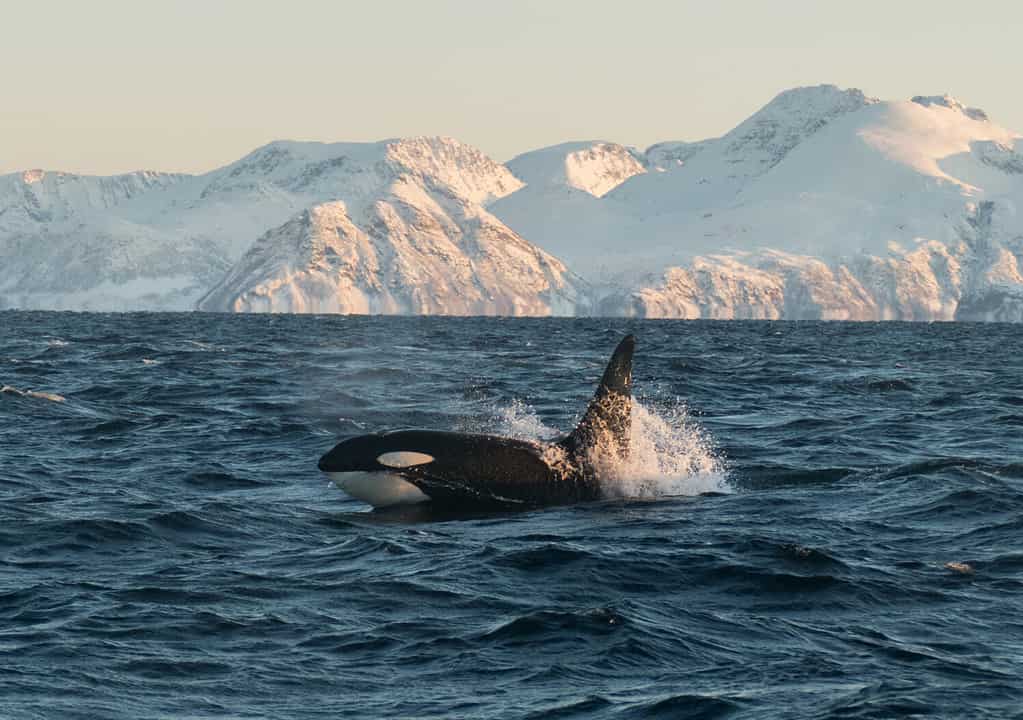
[461, 469]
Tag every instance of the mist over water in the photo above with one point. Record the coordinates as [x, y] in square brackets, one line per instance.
[817, 520]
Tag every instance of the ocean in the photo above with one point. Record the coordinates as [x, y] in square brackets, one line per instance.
[820, 520]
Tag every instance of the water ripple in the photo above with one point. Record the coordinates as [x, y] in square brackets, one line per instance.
[167, 548]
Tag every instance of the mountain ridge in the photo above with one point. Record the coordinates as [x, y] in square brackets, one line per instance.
[825, 203]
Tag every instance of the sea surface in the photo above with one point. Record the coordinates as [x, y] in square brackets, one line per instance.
[823, 520]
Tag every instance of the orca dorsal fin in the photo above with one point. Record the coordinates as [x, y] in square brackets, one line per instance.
[608, 419]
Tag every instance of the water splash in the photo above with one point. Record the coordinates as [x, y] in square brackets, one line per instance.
[670, 454]
[520, 421]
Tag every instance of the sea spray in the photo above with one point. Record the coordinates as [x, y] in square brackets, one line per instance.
[670, 454]
[518, 420]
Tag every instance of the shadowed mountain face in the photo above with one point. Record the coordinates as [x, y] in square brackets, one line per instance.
[825, 204]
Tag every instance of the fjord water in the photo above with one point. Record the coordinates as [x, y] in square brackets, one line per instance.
[168, 549]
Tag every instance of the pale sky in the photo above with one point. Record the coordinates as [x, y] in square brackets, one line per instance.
[109, 86]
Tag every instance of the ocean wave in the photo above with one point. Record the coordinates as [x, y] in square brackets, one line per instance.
[876, 385]
[556, 626]
[541, 558]
[696, 707]
[167, 545]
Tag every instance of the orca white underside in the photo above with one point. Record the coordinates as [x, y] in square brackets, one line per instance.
[379, 489]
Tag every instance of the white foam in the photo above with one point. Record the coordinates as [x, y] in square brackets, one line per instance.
[670, 454]
[52, 397]
[519, 421]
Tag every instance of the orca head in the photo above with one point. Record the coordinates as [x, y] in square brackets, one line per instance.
[370, 468]
[379, 452]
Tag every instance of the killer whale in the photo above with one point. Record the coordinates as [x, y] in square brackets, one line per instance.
[404, 467]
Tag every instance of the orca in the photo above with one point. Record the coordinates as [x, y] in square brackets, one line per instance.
[453, 469]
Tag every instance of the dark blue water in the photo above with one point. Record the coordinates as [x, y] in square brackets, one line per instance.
[167, 548]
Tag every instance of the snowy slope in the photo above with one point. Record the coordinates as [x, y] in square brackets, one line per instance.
[401, 229]
[592, 167]
[922, 285]
[671, 154]
[649, 219]
[165, 248]
[411, 252]
[61, 242]
[976, 276]
[236, 204]
[560, 208]
[36, 197]
[824, 204]
[972, 279]
[915, 203]
[711, 172]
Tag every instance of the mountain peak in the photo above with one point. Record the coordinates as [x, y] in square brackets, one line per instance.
[821, 95]
[791, 117]
[593, 166]
[323, 170]
[947, 101]
[409, 255]
[801, 111]
[463, 168]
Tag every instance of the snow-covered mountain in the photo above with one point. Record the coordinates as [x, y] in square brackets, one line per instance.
[592, 167]
[969, 280]
[164, 246]
[712, 172]
[405, 233]
[825, 203]
[414, 252]
[62, 241]
[36, 197]
[561, 207]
